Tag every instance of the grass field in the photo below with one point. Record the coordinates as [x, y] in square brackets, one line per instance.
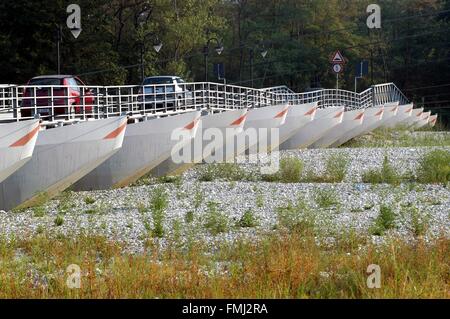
[283, 264]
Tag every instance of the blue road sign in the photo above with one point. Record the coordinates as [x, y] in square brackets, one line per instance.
[362, 69]
[219, 70]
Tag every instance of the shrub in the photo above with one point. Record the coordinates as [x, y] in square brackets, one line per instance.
[386, 174]
[434, 168]
[248, 220]
[225, 171]
[189, 217]
[216, 222]
[158, 205]
[290, 171]
[384, 221]
[59, 220]
[336, 168]
[326, 198]
[296, 218]
[39, 211]
[89, 200]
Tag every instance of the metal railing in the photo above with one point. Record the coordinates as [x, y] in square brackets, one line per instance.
[57, 105]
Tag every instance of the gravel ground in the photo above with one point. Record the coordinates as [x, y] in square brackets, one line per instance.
[118, 215]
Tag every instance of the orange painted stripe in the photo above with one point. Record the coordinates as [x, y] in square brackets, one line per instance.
[24, 140]
[359, 117]
[409, 110]
[380, 113]
[311, 112]
[239, 120]
[420, 114]
[116, 132]
[191, 125]
[281, 114]
[395, 109]
[339, 115]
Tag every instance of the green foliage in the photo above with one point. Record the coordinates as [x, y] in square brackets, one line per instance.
[158, 205]
[326, 198]
[434, 167]
[386, 220]
[248, 220]
[89, 200]
[290, 171]
[386, 174]
[298, 218]
[335, 170]
[59, 220]
[216, 221]
[225, 171]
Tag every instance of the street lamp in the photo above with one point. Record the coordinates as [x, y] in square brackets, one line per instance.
[157, 44]
[263, 53]
[219, 49]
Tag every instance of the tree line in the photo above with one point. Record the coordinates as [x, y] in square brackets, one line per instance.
[411, 48]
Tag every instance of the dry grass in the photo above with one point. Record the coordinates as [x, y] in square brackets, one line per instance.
[282, 265]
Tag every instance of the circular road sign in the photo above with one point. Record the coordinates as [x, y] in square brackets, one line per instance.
[338, 68]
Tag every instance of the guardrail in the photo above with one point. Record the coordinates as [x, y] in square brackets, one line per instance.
[56, 105]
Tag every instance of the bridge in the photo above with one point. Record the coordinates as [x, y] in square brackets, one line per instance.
[100, 137]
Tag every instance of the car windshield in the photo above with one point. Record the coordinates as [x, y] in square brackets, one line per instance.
[156, 81]
[45, 82]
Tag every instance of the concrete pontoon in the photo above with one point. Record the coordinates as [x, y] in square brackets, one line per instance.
[351, 120]
[258, 125]
[17, 142]
[215, 131]
[146, 145]
[372, 120]
[390, 111]
[61, 157]
[423, 121]
[324, 121]
[403, 114]
[413, 119]
[432, 120]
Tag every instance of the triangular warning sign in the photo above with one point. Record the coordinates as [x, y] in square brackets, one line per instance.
[337, 58]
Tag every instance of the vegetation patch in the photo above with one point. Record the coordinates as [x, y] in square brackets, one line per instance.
[216, 221]
[434, 168]
[386, 175]
[386, 220]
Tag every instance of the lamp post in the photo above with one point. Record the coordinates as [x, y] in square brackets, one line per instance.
[263, 53]
[157, 44]
[219, 49]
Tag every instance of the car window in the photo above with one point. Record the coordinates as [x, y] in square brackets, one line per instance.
[158, 81]
[180, 81]
[73, 84]
[38, 82]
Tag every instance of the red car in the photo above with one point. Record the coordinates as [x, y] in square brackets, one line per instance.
[70, 95]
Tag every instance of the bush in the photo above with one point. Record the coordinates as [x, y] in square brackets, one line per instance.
[59, 220]
[326, 198]
[248, 220]
[89, 200]
[290, 171]
[227, 171]
[434, 168]
[158, 205]
[296, 218]
[386, 175]
[216, 222]
[335, 170]
[384, 221]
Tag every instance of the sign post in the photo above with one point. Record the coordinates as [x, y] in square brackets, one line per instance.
[362, 69]
[338, 61]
